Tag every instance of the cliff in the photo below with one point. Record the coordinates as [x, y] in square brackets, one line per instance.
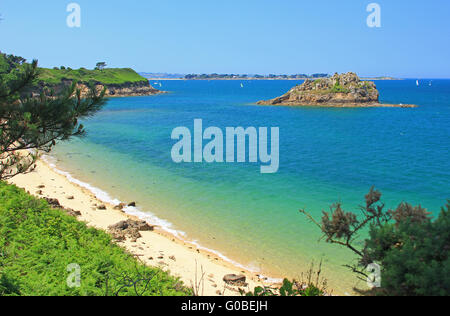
[345, 90]
[126, 89]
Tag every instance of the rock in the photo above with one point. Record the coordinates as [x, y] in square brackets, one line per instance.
[235, 280]
[70, 197]
[129, 228]
[127, 89]
[53, 202]
[101, 207]
[172, 258]
[73, 213]
[345, 90]
[120, 207]
[132, 204]
[41, 186]
[39, 192]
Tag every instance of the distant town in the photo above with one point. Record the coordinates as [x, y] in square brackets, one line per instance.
[215, 76]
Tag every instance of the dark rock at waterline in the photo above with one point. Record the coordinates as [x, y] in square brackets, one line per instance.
[132, 204]
[120, 207]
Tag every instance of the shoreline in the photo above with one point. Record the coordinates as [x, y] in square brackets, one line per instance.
[336, 105]
[159, 248]
[252, 79]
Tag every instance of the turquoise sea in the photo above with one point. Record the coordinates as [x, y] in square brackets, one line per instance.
[326, 155]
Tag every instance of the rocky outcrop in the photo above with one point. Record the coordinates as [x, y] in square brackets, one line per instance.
[129, 228]
[345, 90]
[129, 89]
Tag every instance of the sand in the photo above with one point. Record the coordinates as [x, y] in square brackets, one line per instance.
[156, 248]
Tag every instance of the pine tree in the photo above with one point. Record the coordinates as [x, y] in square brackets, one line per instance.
[31, 123]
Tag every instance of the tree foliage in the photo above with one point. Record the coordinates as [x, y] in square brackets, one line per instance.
[411, 248]
[30, 122]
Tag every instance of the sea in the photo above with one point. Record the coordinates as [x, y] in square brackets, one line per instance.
[252, 219]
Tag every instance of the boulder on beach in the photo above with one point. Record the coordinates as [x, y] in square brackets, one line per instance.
[129, 228]
[235, 280]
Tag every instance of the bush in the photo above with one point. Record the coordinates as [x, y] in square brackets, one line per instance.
[312, 285]
[411, 248]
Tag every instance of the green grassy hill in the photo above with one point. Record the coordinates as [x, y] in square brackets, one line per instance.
[106, 76]
[38, 243]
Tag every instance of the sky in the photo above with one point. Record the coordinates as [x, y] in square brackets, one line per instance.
[234, 36]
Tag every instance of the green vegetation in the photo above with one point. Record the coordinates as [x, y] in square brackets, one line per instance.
[338, 88]
[99, 75]
[37, 244]
[28, 124]
[312, 285]
[237, 76]
[411, 248]
[104, 76]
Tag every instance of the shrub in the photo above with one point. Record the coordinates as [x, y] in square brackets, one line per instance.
[38, 243]
[411, 248]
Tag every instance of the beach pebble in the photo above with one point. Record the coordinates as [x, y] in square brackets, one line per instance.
[41, 186]
[172, 258]
[71, 197]
[39, 192]
[132, 204]
[101, 207]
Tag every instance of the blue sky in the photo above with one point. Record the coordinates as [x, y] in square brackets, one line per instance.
[234, 36]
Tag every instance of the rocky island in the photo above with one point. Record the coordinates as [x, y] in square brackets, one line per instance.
[345, 90]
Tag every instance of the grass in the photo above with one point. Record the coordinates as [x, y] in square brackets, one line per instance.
[38, 243]
[107, 76]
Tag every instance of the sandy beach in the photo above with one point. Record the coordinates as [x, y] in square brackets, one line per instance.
[156, 248]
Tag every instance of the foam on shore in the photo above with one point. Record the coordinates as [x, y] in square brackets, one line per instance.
[150, 218]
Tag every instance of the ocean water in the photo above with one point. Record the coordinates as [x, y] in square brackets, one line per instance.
[326, 155]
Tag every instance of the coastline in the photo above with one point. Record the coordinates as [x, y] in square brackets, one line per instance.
[159, 248]
[252, 79]
[336, 105]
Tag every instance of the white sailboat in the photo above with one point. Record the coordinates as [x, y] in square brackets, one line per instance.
[242, 85]
[417, 82]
